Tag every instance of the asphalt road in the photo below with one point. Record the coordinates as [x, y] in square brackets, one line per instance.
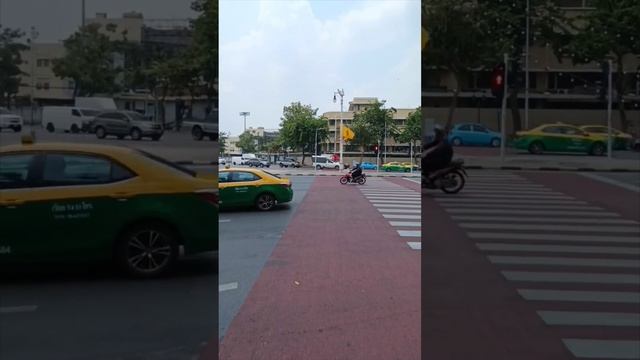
[247, 238]
[174, 146]
[91, 312]
[536, 265]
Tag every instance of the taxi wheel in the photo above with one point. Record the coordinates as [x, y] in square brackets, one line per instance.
[536, 148]
[598, 149]
[147, 250]
[265, 202]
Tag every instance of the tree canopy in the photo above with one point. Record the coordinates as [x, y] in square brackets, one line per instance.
[10, 61]
[298, 128]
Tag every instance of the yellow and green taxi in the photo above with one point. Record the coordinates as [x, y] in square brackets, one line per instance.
[559, 138]
[81, 202]
[621, 141]
[396, 166]
[241, 187]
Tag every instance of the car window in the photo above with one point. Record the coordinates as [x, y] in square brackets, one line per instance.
[552, 130]
[570, 131]
[244, 176]
[75, 112]
[167, 164]
[480, 128]
[73, 169]
[465, 128]
[15, 169]
[224, 177]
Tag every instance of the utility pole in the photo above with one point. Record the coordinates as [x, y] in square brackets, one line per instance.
[609, 104]
[245, 114]
[341, 93]
[526, 71]
[503, 132]
[34, 35]
[84, 14]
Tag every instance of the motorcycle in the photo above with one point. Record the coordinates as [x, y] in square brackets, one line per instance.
[450, 180]
[348, 179]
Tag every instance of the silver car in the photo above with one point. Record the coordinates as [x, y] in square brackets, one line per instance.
[200, 128]
[125, 123]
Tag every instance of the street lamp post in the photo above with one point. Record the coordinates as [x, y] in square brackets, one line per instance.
[34, 36]
[341, 93]
[609, 104]
[245, 114]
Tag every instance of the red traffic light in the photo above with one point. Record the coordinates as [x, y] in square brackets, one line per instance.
[497, 80]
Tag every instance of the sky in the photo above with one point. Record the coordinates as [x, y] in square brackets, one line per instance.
[273, 53]
[55, 20]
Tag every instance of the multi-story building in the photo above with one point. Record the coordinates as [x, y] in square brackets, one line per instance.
[332, 145]
[558, 91]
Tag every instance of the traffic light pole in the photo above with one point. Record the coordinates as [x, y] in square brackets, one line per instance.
[503, 112]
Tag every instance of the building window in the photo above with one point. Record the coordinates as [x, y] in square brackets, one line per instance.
[46, 86]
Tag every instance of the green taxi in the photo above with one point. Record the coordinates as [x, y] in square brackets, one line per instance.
[559, 138]
[396, 166]
[241, 187]
[88, 203]
[621, 140]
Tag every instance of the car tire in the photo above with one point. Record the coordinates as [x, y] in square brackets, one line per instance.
[265, 202]
[337, 167]
[456, 141]
[197, 133]
[495, 142]
[598, 149]
[50, 128]
[156, 137]
[147, 250]
[75, 129]
[136, 134]
[318, 167]
[536, 148]
[101, 133]
[17, 128]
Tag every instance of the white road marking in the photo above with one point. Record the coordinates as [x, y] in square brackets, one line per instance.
[560, 248]
[227, 286]
[415, 245]
[521, 192]
[628, 297]
[545, 219]
[417, 206]
[612, 182]
[512, 206]
[406, 211]
[589, 318]
[406, 223]
[511, 196]
[399, 201]
[523, 202]
[409, 233]
[553, 237]
[547, 227]
[224, 220]
[563, 261]
[17, 309]
[531, 212]
[405, 217]
[603, 349]
[572, 277]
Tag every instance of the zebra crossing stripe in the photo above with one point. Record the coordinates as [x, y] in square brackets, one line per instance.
[404, 211]
[522, 219]
[553, 227]
[589, 318]
[409, 233]
[560, 248]
[626, 297]
[563, 261]
[415, 245]
[402, 216]
[405, 223]
[603, 349]
[571, 277]
[553, 237]
[531, 212]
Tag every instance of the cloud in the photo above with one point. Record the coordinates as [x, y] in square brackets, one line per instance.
[289, 54]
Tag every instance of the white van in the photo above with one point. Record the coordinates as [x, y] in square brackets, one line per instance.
[324, 162]
[239, 160]
[67, 118]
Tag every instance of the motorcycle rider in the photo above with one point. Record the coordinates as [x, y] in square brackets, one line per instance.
[436, 155]
[356, 172]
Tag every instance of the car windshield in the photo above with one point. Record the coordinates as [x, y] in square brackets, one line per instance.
[137, 116]
[167, 164]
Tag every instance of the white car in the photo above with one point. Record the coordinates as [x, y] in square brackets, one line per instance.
[68, 118]
[222, 161]
[321, 162]
[9, 120]
[200, 128]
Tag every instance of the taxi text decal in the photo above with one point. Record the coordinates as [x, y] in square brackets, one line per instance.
[79, 210]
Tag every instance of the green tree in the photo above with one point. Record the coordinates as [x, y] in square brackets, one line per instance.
[205, 46]
[412, 131]
[10, 60]
[298, 128]
[378, 121]
[88, 61]
[222, 139]
[609, 31]
[362, 135]
[248, 142]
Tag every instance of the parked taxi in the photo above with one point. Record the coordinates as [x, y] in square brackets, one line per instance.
[67, 202]
[243, 187]
[559, 138]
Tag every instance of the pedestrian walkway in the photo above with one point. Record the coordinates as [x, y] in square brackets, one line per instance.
[576, 262]
[399, 205]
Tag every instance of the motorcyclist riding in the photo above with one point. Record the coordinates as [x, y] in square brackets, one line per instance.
[356, 172]
[436, 155]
